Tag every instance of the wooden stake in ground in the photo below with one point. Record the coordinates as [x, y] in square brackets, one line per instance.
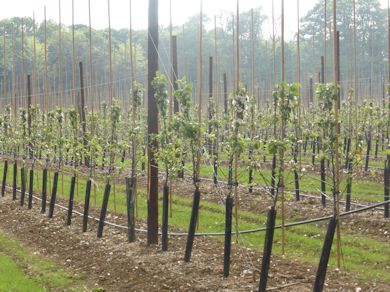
[34, 77]
[13, 68]
[235, 190]
[354, 48]
[281, 166]
[46, 90]
[22, 91]
[252, 55]
[60, 57]
[73, 62]
[90, 87]
[336, 47]
[110, 54]
[152, 124]
[199, 86]
[388, 43]
[299, 127]
[4, 66]
[325, 36]
[273, 45]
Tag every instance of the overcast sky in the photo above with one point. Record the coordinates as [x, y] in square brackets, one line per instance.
[181, 10]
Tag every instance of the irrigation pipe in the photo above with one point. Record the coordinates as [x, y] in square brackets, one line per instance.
[343, 214]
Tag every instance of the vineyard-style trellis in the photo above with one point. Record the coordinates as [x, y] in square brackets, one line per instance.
[240, 143]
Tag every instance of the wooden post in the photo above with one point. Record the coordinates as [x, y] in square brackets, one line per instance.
[388, 43]
[152, 124]
[34, 62]
[311, 91]
[225, 94]
[82, 100]
[60, 55]
[336, 48]
[281, 166]
[73, 91]
[210, 110]
[47, 81]
[110, 53]
[90, 88]
[29, 121]
[22, 91]
[174, 72]
[273, 44]
[4, 66]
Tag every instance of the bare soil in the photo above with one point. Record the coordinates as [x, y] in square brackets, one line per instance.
[113, 264]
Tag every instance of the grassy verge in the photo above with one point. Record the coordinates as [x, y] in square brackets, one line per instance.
[20, 270]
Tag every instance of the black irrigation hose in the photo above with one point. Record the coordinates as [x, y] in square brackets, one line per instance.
[343, 214]
[264, 189]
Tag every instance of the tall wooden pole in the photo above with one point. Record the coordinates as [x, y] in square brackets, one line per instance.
[90, 88]
[216, 65]
[298, 44]
[200, 62]
[185, 71]
[225, 94]
[22, 91]
[134, 145]
[152, 124]
[354, 50]
[273, 43]
[252, 55]
[46, 95]
[60, 56]
[282, 45]
[235, 189]
[388, 42]
[281, 176]
[233, 51]
[132, 61]
[13, 68]
[336, 48]
[171, 84]
[73, 62]
[238, 54]
[299, 130]
[34, 77]
[110, 53]
[4, 66]
[174, 72]
[325, 36]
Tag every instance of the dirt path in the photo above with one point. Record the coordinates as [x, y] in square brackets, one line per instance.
[112, 264]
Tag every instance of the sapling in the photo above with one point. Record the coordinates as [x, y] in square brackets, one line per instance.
[112, 152]
[236, 142]
[212, 136]
[169, 147]
[190, 131]
[327, 95]
[252, 140]
[33, 144]
[59, 139]
[75, 149]
[285, 100]
[24, 154]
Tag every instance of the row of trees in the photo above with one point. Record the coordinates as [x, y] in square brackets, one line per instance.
[371, 49]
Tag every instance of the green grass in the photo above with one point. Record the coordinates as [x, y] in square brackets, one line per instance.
[361, 189]
[12, 278]
[20, 270]
[364, 256]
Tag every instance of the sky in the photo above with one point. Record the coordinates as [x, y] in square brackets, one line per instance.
[181, 11]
